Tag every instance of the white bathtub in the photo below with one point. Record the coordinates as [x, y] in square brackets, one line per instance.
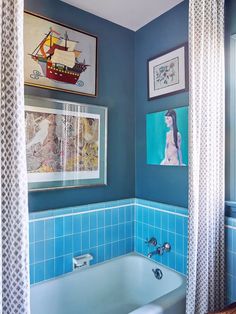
[119, 286]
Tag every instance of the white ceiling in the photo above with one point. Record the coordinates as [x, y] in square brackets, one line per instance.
[132, 14]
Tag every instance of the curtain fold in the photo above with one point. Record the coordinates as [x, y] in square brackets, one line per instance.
[206, 256]
[14, 266]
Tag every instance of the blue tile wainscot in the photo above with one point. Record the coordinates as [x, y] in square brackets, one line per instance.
[110, 229]
[105, 230]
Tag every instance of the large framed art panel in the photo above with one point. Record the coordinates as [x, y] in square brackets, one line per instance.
[66, 144]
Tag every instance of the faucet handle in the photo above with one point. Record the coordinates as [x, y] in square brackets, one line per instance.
[152, 241]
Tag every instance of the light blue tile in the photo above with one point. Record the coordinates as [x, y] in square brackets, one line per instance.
[121, 215]
[85, 240]
[49, 249]
[151, 217]
[172, 263]
[179, 244]
[115, 216]
[68, 225]
[229, 239]
[128, 213]
[59, 246]
[185, 266]
[68, 244]
[49, 269]
[185, 246]
[31, 232]
[229, 263]
[108, 217]
[171, 223]
[101, 219]
[68, 263]
[93, 238]
[101, 236]
[39, 230]
[158, 233]
[145, 232]
[107, 251]
[31, 253]
[165, 221]
[94, 253]
[179, 263]
[172, 241]
[139, 214]
[39, 272]
[145, 215]
[115, 233]
[59, 229]
[108, 234]
[77, 242]
[139, 230]
[179, 225]
[93, 221]
[77, 224]
[32, 279]
[151, 232]
[164, 235]
[121, 231]
[122, 247]
[157, 219]
[185, 227]
[49, 229]
[101, 254]
[39, 251]
[59, 266]
[115, 249]
[85, 222]
[128, 229]
[129, 245]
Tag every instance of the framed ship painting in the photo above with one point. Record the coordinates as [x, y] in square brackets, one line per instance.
[59, 57]
[167, 73]
[167, 137]
[66, 144]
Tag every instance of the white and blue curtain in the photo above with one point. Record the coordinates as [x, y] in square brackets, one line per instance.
[206, 261]
[14, 269]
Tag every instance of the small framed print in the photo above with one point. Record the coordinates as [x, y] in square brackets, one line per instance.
[167, 73]
[66, 144]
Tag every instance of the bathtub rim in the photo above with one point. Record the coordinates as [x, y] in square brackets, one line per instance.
[182, 276]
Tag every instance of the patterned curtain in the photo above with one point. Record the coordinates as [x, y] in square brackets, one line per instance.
[206, 263]
[14, 272]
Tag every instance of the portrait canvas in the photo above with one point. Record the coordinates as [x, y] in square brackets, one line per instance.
[64, 144]
[59, 57]
[167, 137]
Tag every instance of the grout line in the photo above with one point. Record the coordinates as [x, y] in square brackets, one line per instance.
[230, 227]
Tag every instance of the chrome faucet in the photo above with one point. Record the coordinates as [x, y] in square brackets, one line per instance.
[166, 247]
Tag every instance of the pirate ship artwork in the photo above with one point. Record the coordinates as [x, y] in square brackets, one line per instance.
[62, 144]
[58, 57]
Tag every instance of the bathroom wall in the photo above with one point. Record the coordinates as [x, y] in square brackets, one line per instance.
[115, 90]
[157, 183]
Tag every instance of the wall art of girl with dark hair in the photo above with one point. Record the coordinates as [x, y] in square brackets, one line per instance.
[173, 154]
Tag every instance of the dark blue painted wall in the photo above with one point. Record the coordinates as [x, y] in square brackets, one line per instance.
[158, 183]
[115, 90]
